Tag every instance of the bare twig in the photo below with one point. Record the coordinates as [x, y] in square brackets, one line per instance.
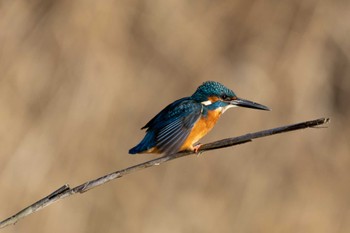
[66, 191]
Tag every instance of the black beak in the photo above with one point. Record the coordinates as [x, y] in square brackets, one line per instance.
[248, 104]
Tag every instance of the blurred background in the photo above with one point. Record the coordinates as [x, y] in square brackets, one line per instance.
[78, 79]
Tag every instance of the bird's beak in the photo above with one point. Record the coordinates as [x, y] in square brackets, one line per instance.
[248, 104]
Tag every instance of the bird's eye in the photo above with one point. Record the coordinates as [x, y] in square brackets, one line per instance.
[225, 97]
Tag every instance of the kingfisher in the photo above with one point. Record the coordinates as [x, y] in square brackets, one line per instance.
[181, 124]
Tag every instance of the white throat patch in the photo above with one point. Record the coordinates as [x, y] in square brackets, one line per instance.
[227, 107]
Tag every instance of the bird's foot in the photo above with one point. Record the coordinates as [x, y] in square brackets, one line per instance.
[196, 149]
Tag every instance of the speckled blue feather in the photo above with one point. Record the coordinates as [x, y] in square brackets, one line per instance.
[211, 88]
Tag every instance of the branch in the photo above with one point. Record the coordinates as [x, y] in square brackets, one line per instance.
[66, 191]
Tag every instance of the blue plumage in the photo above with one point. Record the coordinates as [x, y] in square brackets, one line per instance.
[170, 128]
[211, 88]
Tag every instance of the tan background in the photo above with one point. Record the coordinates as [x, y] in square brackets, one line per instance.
[78, 79]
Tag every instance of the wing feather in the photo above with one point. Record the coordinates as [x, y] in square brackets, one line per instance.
[175, 126]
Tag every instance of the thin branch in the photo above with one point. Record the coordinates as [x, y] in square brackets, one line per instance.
[66, 191]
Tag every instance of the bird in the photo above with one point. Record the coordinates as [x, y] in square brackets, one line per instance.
[181, 124]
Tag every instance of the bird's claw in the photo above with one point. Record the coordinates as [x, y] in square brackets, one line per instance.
[196, 149]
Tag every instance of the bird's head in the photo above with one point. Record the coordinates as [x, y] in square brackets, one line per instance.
[215, 95]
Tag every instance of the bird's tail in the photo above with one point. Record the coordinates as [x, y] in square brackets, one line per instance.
[146, 144]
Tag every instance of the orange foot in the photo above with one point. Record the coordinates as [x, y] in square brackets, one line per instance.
[196, 148]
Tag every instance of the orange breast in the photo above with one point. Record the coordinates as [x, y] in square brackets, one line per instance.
[201, 128]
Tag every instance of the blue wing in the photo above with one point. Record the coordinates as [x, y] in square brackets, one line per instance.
[169, 129]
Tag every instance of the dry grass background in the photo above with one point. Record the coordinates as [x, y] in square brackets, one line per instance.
[79, 78]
